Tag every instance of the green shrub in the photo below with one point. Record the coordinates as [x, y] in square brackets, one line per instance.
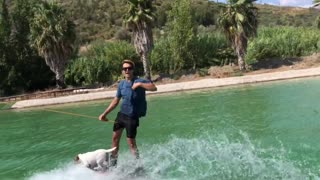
[208, 49]
[123, 34]
[283, 42]
[85, 71]
[101, 64]
[161, 55]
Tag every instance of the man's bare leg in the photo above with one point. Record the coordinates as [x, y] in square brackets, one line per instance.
[116, 136]
[133, 147]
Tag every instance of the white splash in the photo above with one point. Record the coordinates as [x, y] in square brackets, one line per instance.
[210, 156]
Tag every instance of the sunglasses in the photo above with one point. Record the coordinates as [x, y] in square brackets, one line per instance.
[127, 68]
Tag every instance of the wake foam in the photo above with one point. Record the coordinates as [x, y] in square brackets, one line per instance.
[216, 157]
[77, 172]
[205, 157]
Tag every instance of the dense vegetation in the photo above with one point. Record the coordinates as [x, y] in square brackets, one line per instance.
[20, 66]
[100, 64]
[282, 42]
[103, 19]
[186, 36]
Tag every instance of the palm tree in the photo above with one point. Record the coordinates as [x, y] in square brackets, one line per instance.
[317, 4]
[239, 23]
[139, 19]
[54, 37]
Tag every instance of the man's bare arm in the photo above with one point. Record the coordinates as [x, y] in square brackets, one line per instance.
[112, 105]
[146, 86]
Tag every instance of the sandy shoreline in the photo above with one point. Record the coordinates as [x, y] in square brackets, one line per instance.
[174, 87]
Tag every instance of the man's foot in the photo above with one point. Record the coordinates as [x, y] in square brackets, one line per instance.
[113, 161]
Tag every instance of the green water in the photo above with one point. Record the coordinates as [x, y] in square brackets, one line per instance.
[267, 131]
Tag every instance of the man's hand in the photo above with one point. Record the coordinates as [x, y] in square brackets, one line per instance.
[102, 117]
[136, 85]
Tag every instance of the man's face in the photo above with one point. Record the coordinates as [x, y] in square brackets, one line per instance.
[127, 70]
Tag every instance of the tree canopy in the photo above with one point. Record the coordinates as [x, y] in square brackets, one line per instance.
[140, 18]
[239, 23]
[53, 35]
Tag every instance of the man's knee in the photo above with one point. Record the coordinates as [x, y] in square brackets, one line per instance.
[131, 142]
[116, 136]
[116, 139]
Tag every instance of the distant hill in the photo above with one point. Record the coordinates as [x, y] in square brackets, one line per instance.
[287, 16]
[102, 19]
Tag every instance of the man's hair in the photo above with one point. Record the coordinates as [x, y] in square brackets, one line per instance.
[129, 62]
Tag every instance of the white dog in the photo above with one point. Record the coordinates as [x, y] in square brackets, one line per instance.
[98, 160]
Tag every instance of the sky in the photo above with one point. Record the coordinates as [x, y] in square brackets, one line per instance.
[297, 3]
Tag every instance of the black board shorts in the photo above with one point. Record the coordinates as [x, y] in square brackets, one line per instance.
[129, 123]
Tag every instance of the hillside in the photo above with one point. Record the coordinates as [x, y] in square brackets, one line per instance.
[96, 19]
[286, 16]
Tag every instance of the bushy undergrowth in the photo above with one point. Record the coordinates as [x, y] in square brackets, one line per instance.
[212, 49]
[283, 42]
[161, 56]
[101, 64]
[208, 49]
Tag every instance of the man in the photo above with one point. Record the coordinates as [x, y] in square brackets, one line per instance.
[134, 105]
[98, 160]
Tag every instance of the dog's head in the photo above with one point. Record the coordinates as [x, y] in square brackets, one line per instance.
[76, 159]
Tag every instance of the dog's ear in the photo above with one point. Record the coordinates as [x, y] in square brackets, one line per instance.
[76, 158]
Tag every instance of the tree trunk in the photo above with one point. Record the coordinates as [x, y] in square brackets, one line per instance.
[146, 66]
[241, 47]
[143, 42]
[60, 80]
[56, 60]
[241, 62]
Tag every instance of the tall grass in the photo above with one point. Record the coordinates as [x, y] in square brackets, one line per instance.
[211, 49]
[207, 49]
[161, 56]
[101, 64]
[283, 42]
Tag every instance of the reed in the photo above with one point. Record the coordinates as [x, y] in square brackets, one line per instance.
[283, 42]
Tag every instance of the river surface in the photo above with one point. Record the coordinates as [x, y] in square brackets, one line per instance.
[265, 131]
